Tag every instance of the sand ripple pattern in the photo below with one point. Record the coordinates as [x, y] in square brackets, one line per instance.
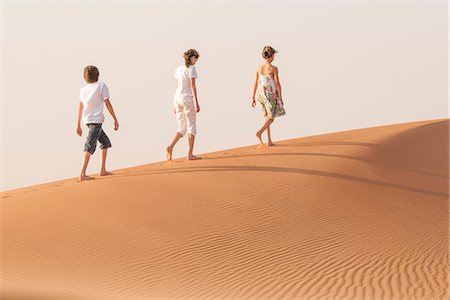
[341, 216]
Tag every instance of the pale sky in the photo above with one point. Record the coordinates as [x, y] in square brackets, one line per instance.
[343, 65]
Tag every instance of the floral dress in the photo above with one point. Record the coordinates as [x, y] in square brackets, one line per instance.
[266, 95]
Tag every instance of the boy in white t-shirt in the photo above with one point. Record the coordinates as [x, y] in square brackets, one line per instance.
[186, 103]
[93, 96]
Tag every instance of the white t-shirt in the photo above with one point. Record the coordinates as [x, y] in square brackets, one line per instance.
[183, 74]
[93, 96]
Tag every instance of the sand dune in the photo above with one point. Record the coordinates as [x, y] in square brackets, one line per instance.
[359, 214]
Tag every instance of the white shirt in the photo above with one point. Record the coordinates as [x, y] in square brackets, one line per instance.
[93, 96]
[183, 74]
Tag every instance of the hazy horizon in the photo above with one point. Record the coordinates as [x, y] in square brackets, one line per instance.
[343, 65]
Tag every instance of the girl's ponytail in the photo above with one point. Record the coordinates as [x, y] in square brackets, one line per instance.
[187, 56]
[268, 52]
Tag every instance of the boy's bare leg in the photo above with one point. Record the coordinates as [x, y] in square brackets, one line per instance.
[169, 149]
[191, 156]
[103, 171]
[83, 176]
[266, 124]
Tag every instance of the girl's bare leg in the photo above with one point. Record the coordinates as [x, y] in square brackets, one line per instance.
[269, 139]
[266, 125]
[169, 148]
[83, 176]
[191, 156]
[103, 171]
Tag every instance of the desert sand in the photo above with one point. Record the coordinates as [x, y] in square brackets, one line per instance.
[360, 214]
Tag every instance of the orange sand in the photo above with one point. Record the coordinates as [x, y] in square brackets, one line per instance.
[360, 214]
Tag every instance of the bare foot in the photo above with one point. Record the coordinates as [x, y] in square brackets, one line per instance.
[193, 157]
[269, 144]
[258, 136]
[169, 153]
[104, 173]
[85, 177]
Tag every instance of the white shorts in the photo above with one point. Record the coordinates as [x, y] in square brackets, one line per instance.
[186, 114]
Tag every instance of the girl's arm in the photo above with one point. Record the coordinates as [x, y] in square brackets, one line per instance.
[111, 111]
[194, 92]
[80, 111]
[255, 86]
[277, 83]
[176, 81]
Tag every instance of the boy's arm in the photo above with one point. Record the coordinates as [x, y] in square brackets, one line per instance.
[111, 111]
[80, 111]
[194, 92]
[277, 82]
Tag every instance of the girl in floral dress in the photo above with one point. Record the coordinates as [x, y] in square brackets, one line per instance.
[267, 91]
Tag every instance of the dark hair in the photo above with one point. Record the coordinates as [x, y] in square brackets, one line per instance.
[187, 56]
[91, 74]
[268, 52]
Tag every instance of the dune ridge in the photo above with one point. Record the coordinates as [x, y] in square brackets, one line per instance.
[359, 214]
